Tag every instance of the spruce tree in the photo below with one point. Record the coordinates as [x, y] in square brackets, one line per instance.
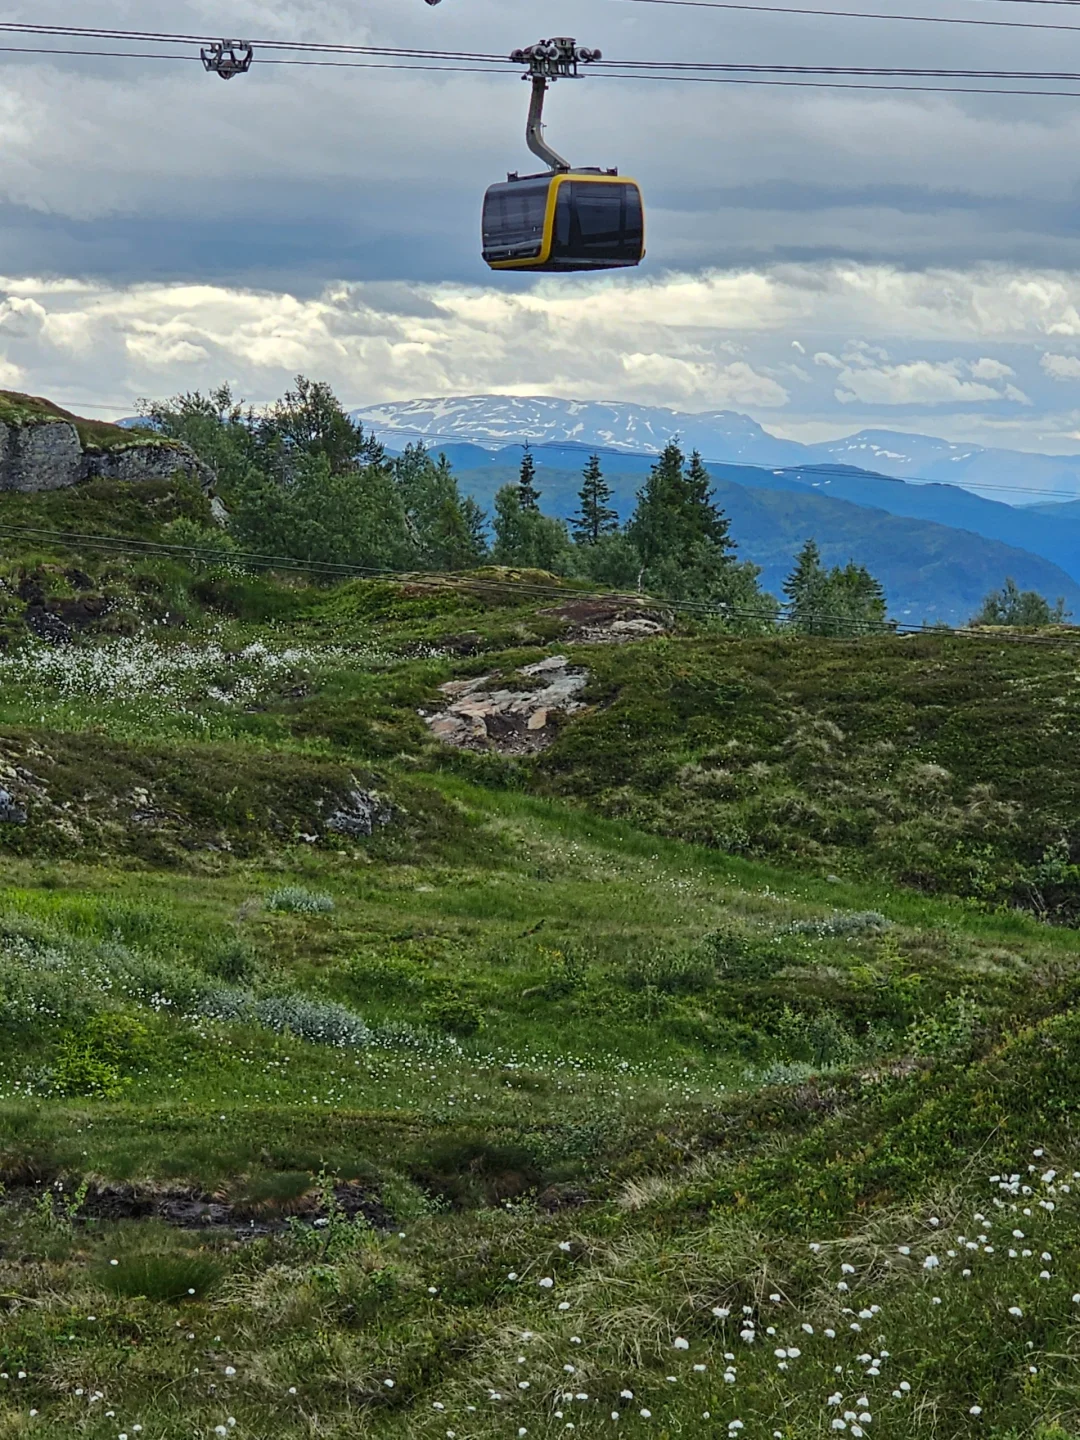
[528, 495]
[840, 601]
[656, 525]
[595, 517]
[711, 524]
[804, 587]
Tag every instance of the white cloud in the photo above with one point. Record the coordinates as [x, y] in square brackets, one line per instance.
[988, 369]
[713, 340]
[919, 382]
[1061, 367]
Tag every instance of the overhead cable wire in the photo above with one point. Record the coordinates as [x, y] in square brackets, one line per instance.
[695, 67]
[334, 64]
[803, 84]
[566, 593]
[747, 5]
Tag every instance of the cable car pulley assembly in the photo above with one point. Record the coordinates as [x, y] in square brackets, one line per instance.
[227, 58]
[568, 218]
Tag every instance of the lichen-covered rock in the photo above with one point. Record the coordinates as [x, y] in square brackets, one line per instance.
[137, 463]
[515, 721]
[358, 814]
[49, 455]
[10, 812]
[39, 457]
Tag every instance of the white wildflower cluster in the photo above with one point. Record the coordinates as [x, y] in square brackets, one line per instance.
[786, 1351]
[168, 672]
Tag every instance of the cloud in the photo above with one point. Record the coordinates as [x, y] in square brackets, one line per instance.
[718, 339]
[987, 369]
[919, 382]
[1061, 367]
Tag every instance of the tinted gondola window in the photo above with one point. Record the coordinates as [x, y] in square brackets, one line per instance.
[599, 222]
[514, 218]
[600, 211]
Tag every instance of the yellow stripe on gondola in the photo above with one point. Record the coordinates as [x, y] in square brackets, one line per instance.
[548, 244]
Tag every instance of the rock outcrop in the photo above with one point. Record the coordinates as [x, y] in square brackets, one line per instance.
[50, 455]
[514, 721]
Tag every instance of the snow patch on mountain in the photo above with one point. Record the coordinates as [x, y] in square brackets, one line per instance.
[722, 436]
[498, 420]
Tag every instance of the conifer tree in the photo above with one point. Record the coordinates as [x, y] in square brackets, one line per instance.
[595, 517]
[842, 601]
[528, 495]
[656, 524]
[1015, 607]
[803, 588]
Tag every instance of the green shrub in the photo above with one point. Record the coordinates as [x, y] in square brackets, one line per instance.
[820, 1037]
[233, 961]
[98, 1059]
[454, 1016]
[740, 957]
[673, 972]
[950, 1030]
[77, 1071]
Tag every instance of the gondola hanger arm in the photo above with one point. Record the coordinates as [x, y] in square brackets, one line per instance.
[548, 61]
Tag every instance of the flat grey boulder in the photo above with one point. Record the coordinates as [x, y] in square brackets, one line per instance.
[510, 719]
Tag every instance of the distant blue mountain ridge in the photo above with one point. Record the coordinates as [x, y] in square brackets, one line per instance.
[1037, 530]
[726, 436]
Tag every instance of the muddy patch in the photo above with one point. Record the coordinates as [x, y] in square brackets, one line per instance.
[188, 1209]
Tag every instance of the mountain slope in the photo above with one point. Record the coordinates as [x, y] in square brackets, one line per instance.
[721, 435]
[1034, 531]
[930, 571]
[497, 420]
[891, 452]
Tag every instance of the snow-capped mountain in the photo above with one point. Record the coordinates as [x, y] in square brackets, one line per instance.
[497, 420]
[721, 435]
[1003, 474]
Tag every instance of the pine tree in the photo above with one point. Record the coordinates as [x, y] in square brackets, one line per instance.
[528, 495]
[595, 517]
[711, 523]
[682, 537]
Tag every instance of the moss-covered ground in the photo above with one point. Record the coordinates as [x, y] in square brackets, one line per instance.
[712, 1073]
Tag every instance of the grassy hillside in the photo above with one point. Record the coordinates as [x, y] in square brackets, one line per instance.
[713, 1068]
[95, 435]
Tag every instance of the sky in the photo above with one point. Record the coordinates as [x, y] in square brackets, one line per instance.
[824, 261]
